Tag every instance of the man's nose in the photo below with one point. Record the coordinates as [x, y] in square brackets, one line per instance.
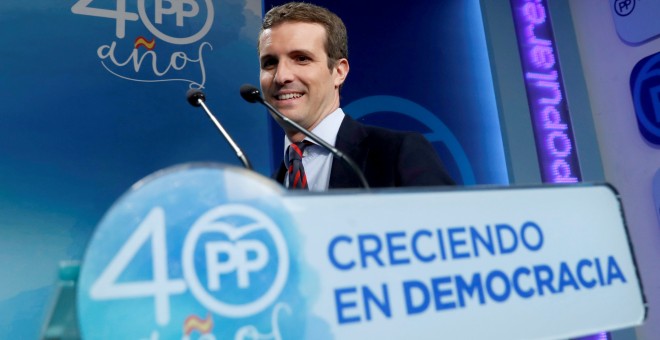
[283, 73]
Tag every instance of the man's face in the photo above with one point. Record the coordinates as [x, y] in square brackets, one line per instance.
[295, 78]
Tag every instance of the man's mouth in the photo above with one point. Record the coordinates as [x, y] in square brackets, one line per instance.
[288, 96]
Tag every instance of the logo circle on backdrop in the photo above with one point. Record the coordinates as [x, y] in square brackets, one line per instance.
[181, 13]
[645, 88]
[188, 248]
[624, 7]
[439, 131]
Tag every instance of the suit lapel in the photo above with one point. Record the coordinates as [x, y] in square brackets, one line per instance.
[351, 140]
[280, 173]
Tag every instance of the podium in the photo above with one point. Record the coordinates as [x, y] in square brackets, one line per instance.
[206, 251]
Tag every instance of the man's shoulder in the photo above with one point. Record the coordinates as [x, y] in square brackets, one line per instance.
[395, 158]
[378, 132]
[403, 139]
[390, 133]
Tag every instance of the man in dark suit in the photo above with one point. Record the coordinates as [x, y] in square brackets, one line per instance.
[303, 54]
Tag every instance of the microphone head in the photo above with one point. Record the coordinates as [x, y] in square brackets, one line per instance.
[251, 93]
[194, 96]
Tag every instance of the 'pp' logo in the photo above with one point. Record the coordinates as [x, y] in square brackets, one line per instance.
[624, 7]
[645, 88]
[235, 260]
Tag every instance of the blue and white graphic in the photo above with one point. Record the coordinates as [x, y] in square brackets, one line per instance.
[244, 255]
[194, 250]
[125, 58]
[645, 88]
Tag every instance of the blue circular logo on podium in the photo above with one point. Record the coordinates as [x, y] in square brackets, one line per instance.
[194, 252]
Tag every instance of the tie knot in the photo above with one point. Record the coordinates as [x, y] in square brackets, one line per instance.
[296, 149]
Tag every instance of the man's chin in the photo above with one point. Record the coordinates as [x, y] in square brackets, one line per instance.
[289, 113]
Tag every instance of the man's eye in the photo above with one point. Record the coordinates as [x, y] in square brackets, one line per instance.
[268, 63]
[302, 58]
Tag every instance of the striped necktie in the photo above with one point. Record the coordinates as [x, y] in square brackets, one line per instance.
[296, 175]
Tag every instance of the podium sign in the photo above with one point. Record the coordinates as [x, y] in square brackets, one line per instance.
[215, 252]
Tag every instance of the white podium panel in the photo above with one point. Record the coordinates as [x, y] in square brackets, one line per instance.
[543, 262]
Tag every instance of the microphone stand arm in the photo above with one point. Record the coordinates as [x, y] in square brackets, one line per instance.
[239, 153]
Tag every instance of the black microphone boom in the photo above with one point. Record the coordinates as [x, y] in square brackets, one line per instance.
[253, 95]
[197, 98]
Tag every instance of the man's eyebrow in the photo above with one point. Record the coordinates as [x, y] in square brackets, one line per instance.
[302, 51]
[290, 53]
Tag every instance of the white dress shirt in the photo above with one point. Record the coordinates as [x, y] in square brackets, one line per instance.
[317, 161]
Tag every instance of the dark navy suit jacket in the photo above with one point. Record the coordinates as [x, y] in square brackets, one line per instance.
[387, 158]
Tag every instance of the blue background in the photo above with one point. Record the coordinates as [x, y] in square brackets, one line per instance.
[74, 137]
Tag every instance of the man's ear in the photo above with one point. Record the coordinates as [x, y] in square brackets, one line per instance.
[341, 69]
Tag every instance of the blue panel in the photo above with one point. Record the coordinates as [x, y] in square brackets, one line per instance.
[76, 132]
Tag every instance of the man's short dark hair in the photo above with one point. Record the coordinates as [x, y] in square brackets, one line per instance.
[336, 41]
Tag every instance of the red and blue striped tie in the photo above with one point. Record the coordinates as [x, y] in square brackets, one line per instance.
[297, 178]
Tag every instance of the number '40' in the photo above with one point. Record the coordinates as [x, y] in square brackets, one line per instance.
[160, 287]
[119, 14]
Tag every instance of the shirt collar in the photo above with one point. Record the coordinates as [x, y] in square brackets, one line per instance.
[326, 130]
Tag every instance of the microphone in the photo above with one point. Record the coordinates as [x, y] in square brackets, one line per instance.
[252, 95]
[197, 98]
